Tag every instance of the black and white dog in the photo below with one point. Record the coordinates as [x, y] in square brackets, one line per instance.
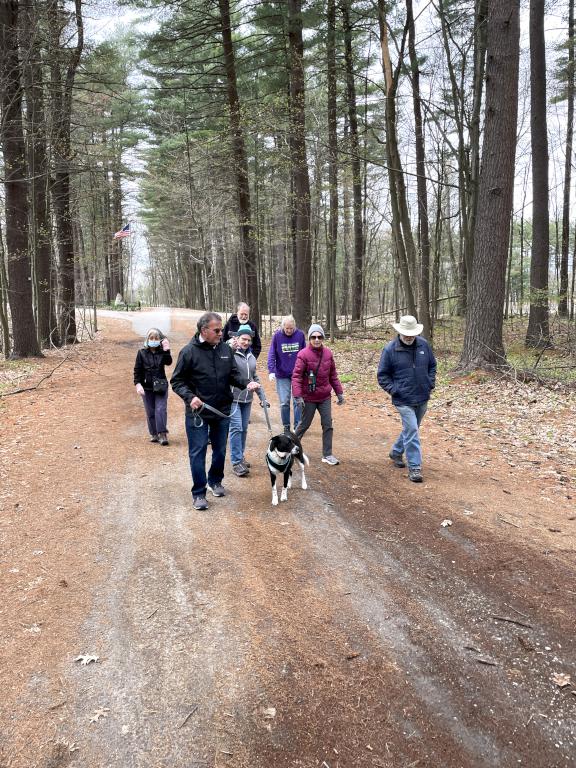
[282, 451]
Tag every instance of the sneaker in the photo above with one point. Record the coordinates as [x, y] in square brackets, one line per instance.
[332, 460]
[397, 459]
[415, 474]
[239, 470]
[153, 438]
[162, 439]
[246, 463]
[217, 489]
[286, 429]
[200, 502]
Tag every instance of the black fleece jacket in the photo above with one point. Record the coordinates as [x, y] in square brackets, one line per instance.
[207, 372]
[149, 365]
[231, 329]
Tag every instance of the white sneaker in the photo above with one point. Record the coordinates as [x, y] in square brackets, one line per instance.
[332, 460]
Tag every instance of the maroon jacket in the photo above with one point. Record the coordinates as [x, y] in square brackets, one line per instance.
[326, 378]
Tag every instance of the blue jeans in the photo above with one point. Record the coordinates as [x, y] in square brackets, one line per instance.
[409, 439]
[156, 407]
[215, 430]
[239, 420]
[284, 390]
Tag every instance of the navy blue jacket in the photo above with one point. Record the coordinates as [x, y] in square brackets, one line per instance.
[407, 372]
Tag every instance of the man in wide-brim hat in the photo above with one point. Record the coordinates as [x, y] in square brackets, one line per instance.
[407, 371]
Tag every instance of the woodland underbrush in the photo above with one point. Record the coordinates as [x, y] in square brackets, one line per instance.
[531, 421]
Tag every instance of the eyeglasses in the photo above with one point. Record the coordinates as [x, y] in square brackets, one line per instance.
[215, 330]
[316, 338]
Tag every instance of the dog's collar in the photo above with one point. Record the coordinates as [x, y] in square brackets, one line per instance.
[275, 463]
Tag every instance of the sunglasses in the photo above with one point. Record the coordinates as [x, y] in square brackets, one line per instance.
[316, 338]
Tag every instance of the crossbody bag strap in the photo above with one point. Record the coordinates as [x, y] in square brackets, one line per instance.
[319, 363]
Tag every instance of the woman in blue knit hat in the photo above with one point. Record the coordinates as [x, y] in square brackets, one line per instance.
[242, 405]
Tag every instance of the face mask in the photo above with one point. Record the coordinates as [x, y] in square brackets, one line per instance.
[153, 344]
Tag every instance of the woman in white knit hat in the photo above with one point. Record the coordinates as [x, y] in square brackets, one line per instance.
[313, 380]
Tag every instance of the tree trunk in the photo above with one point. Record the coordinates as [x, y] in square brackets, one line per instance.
[401, 227]
[299, 167]
[483, 345]
[538, 333]
[332, 235]
[563, 300]
[480, 27]
[358, 261]
[4, 300]
[16, 188]
[61, 150]
[40, 238]
[116, 266]
[240, 165]
[423, 225]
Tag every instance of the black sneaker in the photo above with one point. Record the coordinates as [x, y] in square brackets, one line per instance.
[153, 438]
[200, 502]
[217, 489]
[286, 429]
[239, 470]
[246, 463]
[415, 474]
[397, 459]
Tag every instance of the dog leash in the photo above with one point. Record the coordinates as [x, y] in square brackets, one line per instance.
[265, 405]
[199, 421]
[197, 418]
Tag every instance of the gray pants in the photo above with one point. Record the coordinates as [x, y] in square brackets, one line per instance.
[325, 410]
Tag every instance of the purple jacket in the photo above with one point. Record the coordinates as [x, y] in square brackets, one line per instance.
[326, 378]
[283, 351]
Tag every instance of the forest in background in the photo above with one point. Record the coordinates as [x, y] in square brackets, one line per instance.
[343, 160]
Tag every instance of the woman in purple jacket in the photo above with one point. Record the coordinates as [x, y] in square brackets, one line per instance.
[313, 380]
[286, 343]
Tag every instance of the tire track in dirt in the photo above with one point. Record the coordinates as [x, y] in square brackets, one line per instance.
[329, 631]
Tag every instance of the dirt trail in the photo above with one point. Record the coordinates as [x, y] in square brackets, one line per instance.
[343, 628]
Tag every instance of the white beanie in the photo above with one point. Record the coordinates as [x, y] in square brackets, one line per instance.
[315, 328]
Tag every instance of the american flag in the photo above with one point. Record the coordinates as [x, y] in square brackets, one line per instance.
[124, 232]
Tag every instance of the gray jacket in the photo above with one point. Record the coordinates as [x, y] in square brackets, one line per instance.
[246, 364]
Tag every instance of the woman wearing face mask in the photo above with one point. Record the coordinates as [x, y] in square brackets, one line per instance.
[240, 414]
[313, 380]
[151, 383]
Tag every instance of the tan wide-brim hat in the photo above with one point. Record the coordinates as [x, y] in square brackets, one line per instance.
[408, 326]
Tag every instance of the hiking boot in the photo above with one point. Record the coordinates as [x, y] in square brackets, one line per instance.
[162, 438]
[217, 489]
[397, 459]
[153, 438]
[415, 474]
[239, 470]
[200, 502]
[332, 460]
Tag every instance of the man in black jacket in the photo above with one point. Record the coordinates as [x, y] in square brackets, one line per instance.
[204, 373]
[242, 318]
